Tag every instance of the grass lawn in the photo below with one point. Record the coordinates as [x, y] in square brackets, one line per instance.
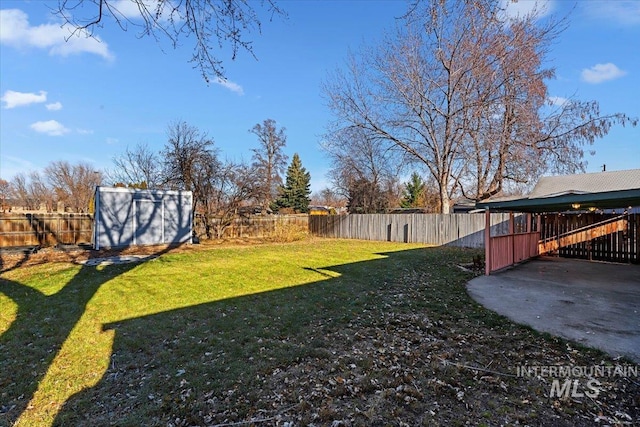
[316, 332]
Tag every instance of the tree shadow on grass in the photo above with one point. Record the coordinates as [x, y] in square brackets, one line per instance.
[316, 352]
[195, 364]
[40, 328]
[44, 322]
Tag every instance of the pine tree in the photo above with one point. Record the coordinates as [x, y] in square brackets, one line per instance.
[414, 192]
[295, 193]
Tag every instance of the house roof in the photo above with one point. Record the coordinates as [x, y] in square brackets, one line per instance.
[602, 190]
[601, 182]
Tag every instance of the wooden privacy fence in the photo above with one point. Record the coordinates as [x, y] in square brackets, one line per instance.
[464, 230]
[45, 229]
[75, 229]
[256, 226]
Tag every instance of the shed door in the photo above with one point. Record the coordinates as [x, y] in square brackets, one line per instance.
[148, 228]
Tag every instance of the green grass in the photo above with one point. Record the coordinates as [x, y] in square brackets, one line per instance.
[312, 331]
[53, 316]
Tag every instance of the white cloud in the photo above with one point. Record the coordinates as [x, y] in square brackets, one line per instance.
[111, 141]
[602, 72]
[84, 131]
[14, 99]
[516, 9]
[50, 127]
[131, 9]
[558, 101]
[625, 12]
[233, 87]
[15, 31]
[127, 8]
[54, 106]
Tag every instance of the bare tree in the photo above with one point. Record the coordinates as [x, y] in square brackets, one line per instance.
[74, 185]
[138, 166]
[461, 90]
[219, 188]
[20, 190]
[211, 24]
[5, 194]
[269, 160]
[204, 188]
[519, 133]
[41, 192]
[328, 197]
[366, 196]
[364, 169]
[31, 191]
[190, 161]
[233, 186]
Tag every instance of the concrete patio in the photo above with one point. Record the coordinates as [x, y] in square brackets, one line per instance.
[595, 304]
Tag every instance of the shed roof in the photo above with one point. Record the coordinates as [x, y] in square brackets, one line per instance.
[602, 190]
[106, 189]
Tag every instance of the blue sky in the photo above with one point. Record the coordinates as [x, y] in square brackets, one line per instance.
[87, 101]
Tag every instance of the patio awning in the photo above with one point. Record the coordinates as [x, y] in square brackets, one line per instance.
[567, 202]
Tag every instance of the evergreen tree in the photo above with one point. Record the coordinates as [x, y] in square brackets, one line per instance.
[295, 193]
[414, 192]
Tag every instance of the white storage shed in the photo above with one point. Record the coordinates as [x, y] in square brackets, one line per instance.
[125, 217]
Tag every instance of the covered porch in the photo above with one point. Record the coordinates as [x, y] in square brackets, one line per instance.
[589, 216]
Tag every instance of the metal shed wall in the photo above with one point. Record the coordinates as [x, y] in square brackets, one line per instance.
[125, 217]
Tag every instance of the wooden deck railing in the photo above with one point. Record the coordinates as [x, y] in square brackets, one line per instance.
[583, 234]
[511, 248]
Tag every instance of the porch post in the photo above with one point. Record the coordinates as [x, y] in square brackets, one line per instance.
[487, 242]
[539, 230]
[512, 238]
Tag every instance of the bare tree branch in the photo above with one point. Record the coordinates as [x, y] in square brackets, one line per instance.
[213, 25]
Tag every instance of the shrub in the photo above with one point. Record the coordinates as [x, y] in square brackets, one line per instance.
[285, 231]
